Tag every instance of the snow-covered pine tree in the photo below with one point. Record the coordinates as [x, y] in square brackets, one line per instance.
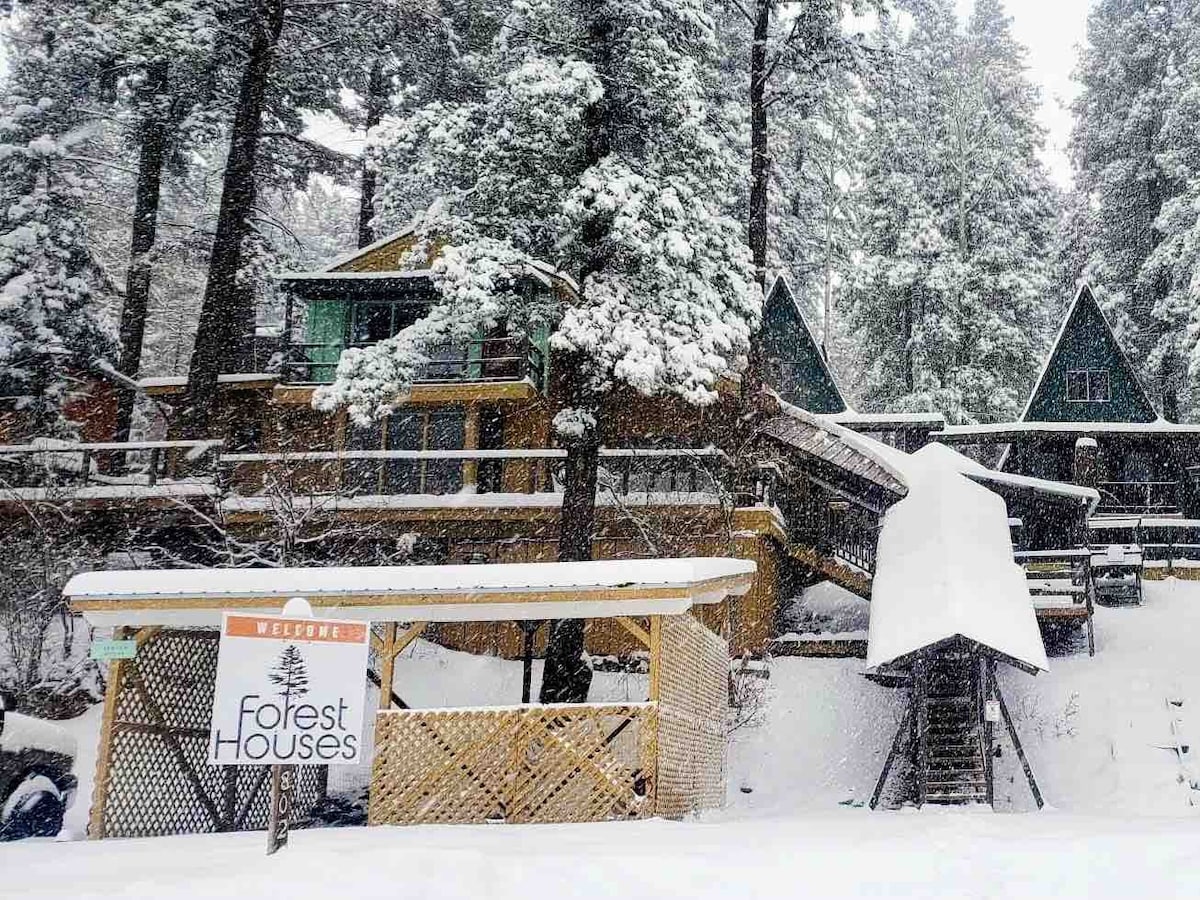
[1117, 150]
[950, 298]
[1171, 273]
[51, 330]
[165, 62]
[590, 147]
[286, 66]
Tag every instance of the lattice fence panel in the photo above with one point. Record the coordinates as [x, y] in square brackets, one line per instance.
[581, 763]
[692, 712]
[159, 780]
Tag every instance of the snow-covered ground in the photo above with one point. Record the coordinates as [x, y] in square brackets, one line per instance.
[1098, 733]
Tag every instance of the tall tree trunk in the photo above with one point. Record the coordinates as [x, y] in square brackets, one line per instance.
[227, 312]
[376, 103]
[830, 200]
[152, 155]
[759, 175]
[566, 677]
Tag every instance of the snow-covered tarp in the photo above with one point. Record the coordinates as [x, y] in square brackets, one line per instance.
[462, 593]
[945, 567]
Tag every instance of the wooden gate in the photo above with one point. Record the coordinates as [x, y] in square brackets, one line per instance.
[152, 774]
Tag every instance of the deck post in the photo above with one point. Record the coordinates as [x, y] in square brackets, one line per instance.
[985, 669]
[387, 665]
[1012, 733]
[896, 744]
[921, 689]
[470, 469]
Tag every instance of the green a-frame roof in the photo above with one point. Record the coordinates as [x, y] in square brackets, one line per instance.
[1086, 344]
[794, 363]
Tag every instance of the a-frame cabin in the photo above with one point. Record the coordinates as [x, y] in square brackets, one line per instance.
[794, 363]
[1090, 421]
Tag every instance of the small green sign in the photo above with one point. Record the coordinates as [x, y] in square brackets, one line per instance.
[114, 649]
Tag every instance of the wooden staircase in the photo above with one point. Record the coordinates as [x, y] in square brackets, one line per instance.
[954, 769]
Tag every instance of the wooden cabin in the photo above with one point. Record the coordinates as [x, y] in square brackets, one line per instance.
[796, 366]
[1089, 421]
[468, 461]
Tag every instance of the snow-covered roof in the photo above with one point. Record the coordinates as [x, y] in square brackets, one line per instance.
[884, 420]
[944, 568]
[462, 593]
[950, 458]
[334, 270]
[1158, 426]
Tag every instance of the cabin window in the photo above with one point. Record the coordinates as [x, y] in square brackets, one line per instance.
[434, 428]
[1088, 386]
[425, 429]
[374, 322]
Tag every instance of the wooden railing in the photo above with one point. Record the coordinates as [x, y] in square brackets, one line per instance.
[487, 360]
[117, 463]
[1138, 497]
[391, 472]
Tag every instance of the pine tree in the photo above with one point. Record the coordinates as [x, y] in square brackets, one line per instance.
[591, 146]
[290, 674]
[1116, 147]
[958, 232]
[52, 332]
[165, 61]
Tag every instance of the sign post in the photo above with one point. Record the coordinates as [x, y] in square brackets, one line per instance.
[289, 691]
[283, 783]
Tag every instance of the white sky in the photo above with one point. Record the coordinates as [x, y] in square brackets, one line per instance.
[1052, 30]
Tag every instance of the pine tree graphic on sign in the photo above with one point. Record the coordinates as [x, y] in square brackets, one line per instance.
[290, 675]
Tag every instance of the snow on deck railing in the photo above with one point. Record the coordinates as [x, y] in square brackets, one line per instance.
[109, 463]
[514, 453]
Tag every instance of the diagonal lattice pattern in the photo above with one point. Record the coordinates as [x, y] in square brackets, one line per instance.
[693, 702]
[528, 764]
[159, 781]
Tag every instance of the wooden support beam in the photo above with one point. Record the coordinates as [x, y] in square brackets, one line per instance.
[387, 664]
[921, 691]
[1012, 733]
[655, 657]
[112, 693]
[897, 743]
[470, 469]
[635, 629]
[410, 634]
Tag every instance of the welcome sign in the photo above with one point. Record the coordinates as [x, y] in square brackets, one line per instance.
[289, 691]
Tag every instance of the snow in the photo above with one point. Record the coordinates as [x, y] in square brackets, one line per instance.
[25, 732]
[469, 500]
[853, 417]
[172, 381]
[1097, 732]
[172, 489]
[945, 567]
[1158, 426]
[846, 853]
[460, 593]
